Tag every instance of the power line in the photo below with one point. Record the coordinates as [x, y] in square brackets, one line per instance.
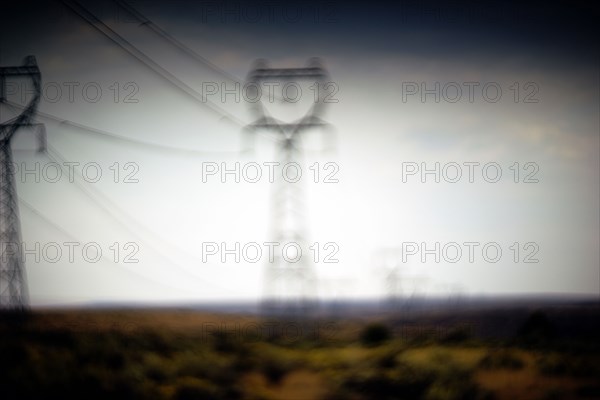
[113, 136]
[73, 238]
[56, 156]
[89, 18]
[145, 21]
[60, 160]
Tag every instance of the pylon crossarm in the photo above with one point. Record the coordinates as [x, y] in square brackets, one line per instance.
[305, 73]
[31, 70]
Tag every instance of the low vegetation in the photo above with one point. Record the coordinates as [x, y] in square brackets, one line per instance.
[111, 355]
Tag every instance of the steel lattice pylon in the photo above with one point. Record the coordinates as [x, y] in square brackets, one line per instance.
[289, 288]
[13, 278]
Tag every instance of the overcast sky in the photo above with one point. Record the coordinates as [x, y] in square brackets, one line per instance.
[511, 88]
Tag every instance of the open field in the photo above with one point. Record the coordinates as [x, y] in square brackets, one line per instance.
[184, 354]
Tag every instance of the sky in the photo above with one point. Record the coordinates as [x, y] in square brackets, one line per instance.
[501, 98]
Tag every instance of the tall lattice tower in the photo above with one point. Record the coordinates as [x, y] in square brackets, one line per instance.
[289, 287]
[13, 279]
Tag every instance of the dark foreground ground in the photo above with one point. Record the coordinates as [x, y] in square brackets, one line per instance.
[516, 352]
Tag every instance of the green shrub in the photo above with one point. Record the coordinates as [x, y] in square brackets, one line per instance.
[401, 382]
[536, 331]
[375, 334]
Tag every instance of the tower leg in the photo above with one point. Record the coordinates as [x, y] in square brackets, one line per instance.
[13, 284]
[289, 285]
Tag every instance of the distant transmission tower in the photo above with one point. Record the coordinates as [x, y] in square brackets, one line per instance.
[388, 259]
[13, 280]
[289, 287]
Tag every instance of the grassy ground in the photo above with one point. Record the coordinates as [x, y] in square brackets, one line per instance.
[192, 355]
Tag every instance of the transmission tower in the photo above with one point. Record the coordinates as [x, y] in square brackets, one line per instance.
[289, 287]
[13, 279]
[388, 261]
